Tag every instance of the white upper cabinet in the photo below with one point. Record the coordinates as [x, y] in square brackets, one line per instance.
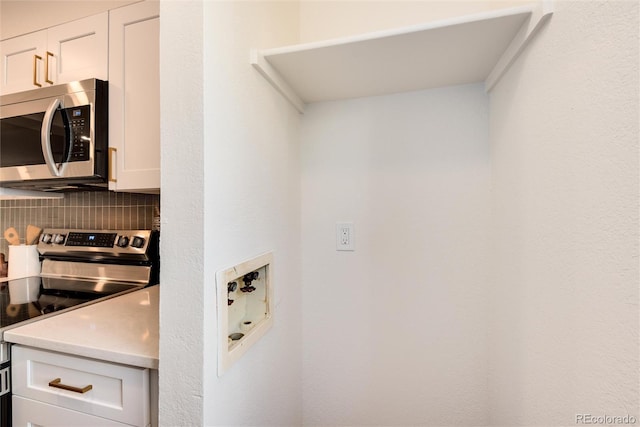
[73, 51]
[134, 98]
[79, 50]
[22, 65]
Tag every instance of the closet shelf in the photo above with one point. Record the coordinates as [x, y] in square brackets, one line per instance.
[469, 49]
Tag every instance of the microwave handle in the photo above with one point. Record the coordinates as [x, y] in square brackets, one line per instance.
[45, 138]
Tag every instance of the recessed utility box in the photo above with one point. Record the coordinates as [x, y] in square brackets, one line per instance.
[245, 295]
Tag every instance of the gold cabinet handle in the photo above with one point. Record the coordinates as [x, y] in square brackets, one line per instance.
[46, 68]
[35, 70]
[112, 165]
[57, 384]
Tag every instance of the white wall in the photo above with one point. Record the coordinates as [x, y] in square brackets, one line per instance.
[230, 191]
[395, 332]
[326, 19]
[252, 205]
[183, 283]
[564, 149]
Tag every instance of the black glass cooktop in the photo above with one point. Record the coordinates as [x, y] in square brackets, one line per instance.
[25, 299]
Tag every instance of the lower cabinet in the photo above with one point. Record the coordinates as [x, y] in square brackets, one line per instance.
[55, 389]
[27, 412]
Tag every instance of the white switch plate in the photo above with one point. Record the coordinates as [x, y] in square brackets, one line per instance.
[345, 236]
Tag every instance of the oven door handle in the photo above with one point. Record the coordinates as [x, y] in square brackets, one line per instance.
[45, 138]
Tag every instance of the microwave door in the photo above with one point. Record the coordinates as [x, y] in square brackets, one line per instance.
[20, 143]
[56, 133]
[21, 151]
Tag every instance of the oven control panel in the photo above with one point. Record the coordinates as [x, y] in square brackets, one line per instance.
[116, 242]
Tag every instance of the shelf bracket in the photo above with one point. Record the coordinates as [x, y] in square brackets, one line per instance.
[540, 14]
[258, 62]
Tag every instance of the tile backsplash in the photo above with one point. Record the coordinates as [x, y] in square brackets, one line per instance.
[90, 209]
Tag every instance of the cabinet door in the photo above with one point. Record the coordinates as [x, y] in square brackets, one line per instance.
[134, 101]
[31, 413]
[78, 50]
[22, 62]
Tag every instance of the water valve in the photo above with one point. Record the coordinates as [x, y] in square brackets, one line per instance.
[231, 287]
[247, 279]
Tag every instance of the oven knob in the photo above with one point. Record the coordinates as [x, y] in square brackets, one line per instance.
[58, 239]
[137, 242]
[123, 241]
[46, 238]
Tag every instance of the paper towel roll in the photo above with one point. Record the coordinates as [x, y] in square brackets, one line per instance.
[24, 261]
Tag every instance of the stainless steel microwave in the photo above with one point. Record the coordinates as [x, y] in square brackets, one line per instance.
[55, 138]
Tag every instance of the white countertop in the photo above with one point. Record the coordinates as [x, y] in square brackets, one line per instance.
[122, 330]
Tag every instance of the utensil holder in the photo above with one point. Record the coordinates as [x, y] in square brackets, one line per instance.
[24, 261]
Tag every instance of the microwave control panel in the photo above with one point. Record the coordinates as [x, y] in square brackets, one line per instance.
[80, 124]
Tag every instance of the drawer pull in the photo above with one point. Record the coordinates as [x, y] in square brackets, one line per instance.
[57, 384]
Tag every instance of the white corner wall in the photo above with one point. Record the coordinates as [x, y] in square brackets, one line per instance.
[182, 280]
[252, 206]
[564, 332]
[395, 332]
[230, 191]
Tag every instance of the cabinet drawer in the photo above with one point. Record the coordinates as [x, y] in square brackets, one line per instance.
[31, 413]
[117, 392]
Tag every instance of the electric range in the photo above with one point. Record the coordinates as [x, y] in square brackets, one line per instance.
[79, 267]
